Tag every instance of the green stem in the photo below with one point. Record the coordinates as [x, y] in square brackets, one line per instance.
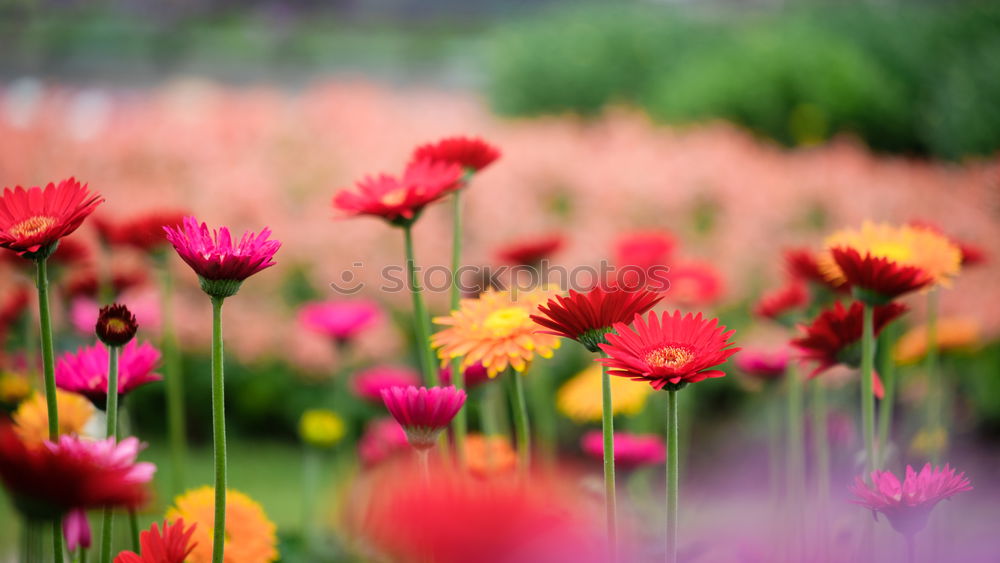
[174, 382]
[608, 428]
[422, 322]
[311, 470]
[935, 388]
[867, 384]
[522, 431]
[821, 444]
[133, 528]
[795, 460]
[459, 423]
[48, 361]
[673, 468]
[887, 369]
[542, 413]
[108, 517]
[219, 433]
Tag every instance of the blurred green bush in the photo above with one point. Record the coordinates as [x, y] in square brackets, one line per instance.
[912, 79]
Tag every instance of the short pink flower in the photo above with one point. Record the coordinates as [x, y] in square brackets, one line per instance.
[765, 365]
[340, 320]
[631, 450]
[370, 382]
[423, 412]
[216, 257]
[908, 505]
[383, 439]
[86, 371]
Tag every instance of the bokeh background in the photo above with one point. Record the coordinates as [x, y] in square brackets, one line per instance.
[742, 128]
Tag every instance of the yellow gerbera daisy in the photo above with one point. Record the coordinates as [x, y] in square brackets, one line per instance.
[497, 330]
[907, 246]
[953, 334]
[250, 536]
[32, 416]
[580, 397]
[321, 428]
[14, 388]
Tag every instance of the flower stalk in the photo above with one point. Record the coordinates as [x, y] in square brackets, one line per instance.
[867, 385]
[422, 322]
[935, 403]
[519, 406]
[108, 517]
[219, 432]
[608, 430]
[673, 469]
[459, 424]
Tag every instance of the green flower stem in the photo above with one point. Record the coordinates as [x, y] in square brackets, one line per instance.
[795, 460]
[522, 431]
[219, 432]
[867, 384]
[608, 428]
[422, 322]
[174, 381]
[108, 517]
[48, 368]
[821, 453]
[311, 471]
[133, 528]
[935, 388]
[887, 369]
[459, 423]
[673, 468]
[541, 401]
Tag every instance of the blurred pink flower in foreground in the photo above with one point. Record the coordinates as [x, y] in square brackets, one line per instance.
[370, 382]
[908, 505]
[340, 320]
[631, 450]
[383, 439]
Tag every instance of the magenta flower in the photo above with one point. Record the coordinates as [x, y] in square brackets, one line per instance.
[908, 505]
[761, 364]
[340, 320]
[631, 450]
[475, 374]
[221, 263]
[76, 530]
[370, 382]
[86, 371]
[423, 412]
[383, 439]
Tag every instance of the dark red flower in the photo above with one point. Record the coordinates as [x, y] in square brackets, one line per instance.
[475, 375]
[834, 337]
[86, 284]
[801, 264]
[71, 252]
[471, 153]
[587, 317]
[669, 351]
[13, 306]
[34, 219]
[142, 231]
[116, 325]
[779, 304]
[878, 281]
[530, 252]
[400, 200]
[48, 480]
[173, 545]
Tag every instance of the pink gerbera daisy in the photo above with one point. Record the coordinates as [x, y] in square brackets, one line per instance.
[32, 220]
[908, 505]
[423, 412]
[340, 320]
[631, 450]
[86, 371]
[220, 262]
[370, 382]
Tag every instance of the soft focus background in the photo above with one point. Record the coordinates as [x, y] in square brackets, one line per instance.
[742, 128]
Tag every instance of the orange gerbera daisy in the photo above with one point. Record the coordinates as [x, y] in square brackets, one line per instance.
[497, 330]
[953, 334]
[910, 246]
[250, 535]
[32, 416]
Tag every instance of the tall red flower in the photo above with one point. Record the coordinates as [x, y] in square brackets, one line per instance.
[908, 505]
[587, 317]
[49, 480]
[143, 231]
[32, 220]
[471, 153]
[668, 351]
[400, 200]
[173, 545]
[834, 337]
[221, 262]
[642, 258]
[423, 412]
[529, 252]
[780, 304]
[876, 280]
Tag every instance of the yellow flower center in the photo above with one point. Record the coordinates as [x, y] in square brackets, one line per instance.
[32, 226]
[116, 325]
[892, 250]
[394, 198]
[669, 357]
[506, 321]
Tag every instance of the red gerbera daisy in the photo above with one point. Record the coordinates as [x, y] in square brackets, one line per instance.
[221, 263]
[530, 252]
[642, 259]
[875, 280]
[835, 336]
[71, 252]
[171, 546]
[33, 220]
[669, 351]
[400, 200]
[781, 303]
[48, 480]
[801, 264]
[694, 284]
[587, 317]
[143, 231]
[471, 153]
[85, 283]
